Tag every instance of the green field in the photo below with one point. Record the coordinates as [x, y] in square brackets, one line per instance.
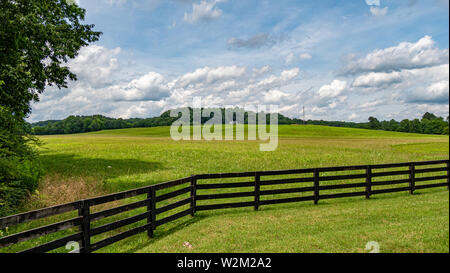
[86, 165]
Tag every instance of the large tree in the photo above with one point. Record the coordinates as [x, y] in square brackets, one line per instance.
[37, 38]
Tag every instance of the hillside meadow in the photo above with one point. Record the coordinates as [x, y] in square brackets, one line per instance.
[86, 165]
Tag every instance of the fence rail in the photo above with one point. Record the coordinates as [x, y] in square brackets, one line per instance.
[158, 200]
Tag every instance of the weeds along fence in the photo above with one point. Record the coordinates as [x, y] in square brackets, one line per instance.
[86, 222]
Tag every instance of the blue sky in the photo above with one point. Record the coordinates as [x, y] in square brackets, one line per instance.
[342, 60]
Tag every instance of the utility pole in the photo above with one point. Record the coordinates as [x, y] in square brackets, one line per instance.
[297, 96]
[304, 120]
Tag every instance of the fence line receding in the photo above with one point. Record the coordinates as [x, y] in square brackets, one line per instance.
[163, 203]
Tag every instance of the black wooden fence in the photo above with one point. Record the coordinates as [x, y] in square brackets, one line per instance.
[315, 186]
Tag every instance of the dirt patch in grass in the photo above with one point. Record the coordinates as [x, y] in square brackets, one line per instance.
[55, 190]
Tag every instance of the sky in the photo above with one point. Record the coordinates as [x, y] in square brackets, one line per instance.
[341, 60]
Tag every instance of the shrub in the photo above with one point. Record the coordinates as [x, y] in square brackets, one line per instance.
[19, 166]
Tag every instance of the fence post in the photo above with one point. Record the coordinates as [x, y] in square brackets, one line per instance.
[193, 194]
[412, 178]
[257, 190]
[316, 186]
[86, 226]
[152, 211]
[368, 181]
[149, 210]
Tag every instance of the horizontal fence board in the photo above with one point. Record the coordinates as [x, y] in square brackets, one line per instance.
[225, 195]
[430, 170]
[286, 200]
[173, 217]
[343, 186]
[390, 190]
[341, 195]
[119, 224]
[38, 214]
[174, 205]
[390, 165]
[110, 212]
[225, 175]
[285, 172]
[116, 196]
[38, 232]
[173, 194]
[283, 191]
[390, 182]
[225, 206]
[435, 162]
[342, 168]
[428, 178]
[287, 181]
[392, 173]
[225, 185]
[169, 184]
[431, 186]
[54, 244]
[119, 237]
[342, 177]
[407, 164]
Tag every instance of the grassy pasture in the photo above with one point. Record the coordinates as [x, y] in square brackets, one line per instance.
[86, 165]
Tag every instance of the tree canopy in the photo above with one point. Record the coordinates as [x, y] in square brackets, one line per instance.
[37, 38]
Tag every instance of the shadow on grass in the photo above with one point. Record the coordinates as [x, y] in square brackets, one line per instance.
[161, 234]
[72, 165]
[99, 169]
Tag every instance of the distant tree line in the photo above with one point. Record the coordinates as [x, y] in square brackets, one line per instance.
[428, 124]
[84, 124]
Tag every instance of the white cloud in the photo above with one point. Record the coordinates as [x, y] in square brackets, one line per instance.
[289, 58]
[435, 93]
[305, 56]
[261, 71]
[203, 11]
[428, 84]
[332, 90]
[373, 2]
[440, 110]
[95, 65]
[275, 96]
[290, 74]
[150, 87]
[376, 11]
[378, 80]
[438, 89]
[116, 2]
[353, 116]
[371, 104]
[210, 75]
[405, 55]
